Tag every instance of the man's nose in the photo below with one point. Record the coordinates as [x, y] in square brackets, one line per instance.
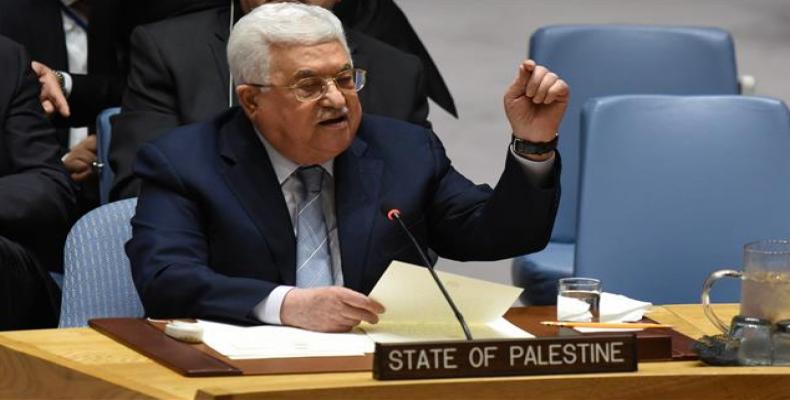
[334, 97]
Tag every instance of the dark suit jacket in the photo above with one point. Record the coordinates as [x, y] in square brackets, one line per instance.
[179, 75]
[384, 20]
[38, 25]
[381, 19]
[212, 235]
[36, 196]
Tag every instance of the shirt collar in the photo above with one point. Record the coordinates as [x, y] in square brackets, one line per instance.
[283, 167]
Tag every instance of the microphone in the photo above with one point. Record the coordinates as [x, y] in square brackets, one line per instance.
[393, 214]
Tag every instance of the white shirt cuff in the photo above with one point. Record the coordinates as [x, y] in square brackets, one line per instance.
[67, 83]
[268, 310]
[537, 171]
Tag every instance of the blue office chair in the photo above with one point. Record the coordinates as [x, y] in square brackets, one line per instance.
[604, 60]
[97, 279]
[103, 137]
[672, 187]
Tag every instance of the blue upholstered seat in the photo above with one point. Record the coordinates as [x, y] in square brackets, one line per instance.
[672, 187]
[103, 137]
[603, 60]
[97, 279]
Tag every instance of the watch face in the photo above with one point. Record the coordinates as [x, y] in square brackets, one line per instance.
[61, 79]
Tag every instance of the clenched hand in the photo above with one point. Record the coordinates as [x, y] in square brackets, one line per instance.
[535, 102]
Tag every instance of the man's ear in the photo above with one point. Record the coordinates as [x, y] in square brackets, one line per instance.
[248, 99]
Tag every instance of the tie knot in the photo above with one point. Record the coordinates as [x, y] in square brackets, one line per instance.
[311, 178]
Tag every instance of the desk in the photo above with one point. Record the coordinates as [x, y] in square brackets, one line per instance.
[81, 363]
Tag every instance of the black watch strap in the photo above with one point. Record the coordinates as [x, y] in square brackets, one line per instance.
[526, 147]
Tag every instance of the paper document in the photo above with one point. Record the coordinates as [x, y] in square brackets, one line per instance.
[246, 342]
[417, 310]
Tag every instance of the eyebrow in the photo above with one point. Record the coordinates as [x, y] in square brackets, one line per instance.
[308, 73]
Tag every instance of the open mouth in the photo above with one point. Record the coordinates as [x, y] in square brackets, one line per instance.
[334, 121]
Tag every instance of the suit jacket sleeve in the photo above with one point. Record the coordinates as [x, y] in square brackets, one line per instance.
[149, 108]
[475, 222]
[35, 191]
[169, 253]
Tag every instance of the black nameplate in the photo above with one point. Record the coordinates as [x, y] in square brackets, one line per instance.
[546, 355]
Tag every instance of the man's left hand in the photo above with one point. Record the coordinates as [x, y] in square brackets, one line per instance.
[535, 102]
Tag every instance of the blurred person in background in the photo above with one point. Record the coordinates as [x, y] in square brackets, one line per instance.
[37, 199]
[179, 75]
[79, 50]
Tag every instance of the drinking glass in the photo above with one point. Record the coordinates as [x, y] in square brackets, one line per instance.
[579, 300]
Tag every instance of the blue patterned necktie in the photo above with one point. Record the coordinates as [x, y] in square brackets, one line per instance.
[314, 266]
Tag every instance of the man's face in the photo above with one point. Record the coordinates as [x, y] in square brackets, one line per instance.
[247, 5]
[306, 132]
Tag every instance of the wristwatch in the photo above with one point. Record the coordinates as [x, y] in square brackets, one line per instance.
[525, 147]
[61, 80]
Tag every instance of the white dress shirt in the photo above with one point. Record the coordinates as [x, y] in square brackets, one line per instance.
[77, 53]
[268, 310]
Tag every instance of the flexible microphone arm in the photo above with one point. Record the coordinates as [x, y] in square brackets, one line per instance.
[393, 214]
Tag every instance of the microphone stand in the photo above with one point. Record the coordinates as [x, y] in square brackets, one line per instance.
[394, 214]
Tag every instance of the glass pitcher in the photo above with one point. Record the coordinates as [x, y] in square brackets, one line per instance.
[765, 282]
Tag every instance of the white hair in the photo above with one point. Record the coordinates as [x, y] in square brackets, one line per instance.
[277, 23]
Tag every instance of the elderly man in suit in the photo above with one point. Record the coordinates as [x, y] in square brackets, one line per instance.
[179, 75]
[36, 198]
[270, 212]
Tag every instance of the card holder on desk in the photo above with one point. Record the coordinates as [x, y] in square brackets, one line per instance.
[200, 360]
[153, 343]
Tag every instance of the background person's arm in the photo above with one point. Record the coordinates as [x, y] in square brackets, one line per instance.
[37, 194]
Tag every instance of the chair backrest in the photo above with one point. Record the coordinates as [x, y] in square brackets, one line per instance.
[672, 187]
[103, 137]
[604, 60]
[97, 278]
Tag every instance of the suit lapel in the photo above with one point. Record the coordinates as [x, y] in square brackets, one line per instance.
[217, 45]
[357, 187]
[249, 173]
